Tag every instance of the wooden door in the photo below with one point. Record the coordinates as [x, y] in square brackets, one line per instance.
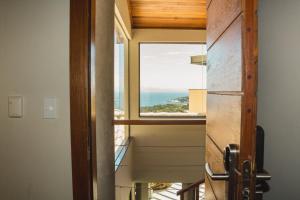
[232, 85]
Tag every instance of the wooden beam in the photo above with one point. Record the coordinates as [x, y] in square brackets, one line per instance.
[81, 123]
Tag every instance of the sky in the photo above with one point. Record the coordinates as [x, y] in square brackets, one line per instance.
[119, 67]
[167, 67]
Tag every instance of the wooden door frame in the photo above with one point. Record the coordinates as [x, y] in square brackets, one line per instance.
[249, 105]
[82, 101]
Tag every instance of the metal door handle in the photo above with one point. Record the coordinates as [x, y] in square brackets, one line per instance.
[263, 176]
[214, 176]
[230, 161]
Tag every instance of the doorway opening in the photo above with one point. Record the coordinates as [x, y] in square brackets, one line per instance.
[179, 25]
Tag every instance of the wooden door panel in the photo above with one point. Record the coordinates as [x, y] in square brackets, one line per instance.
[208, 3]
[232, 84]
[220, 15]
[219, 188]
[224, 119]
[214, 157]
[209, 193]
[224, 67]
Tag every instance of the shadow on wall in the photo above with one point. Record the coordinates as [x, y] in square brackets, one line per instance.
[278, 96]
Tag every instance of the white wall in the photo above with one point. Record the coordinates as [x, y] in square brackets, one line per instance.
[278, 94]
[34, 62]
[183, 161]
[123, 15]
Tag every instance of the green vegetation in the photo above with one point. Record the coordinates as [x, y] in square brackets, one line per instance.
[165, 108]
[182, 100]
[179, 104]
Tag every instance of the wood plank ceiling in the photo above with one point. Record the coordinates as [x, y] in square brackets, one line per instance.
[181, 14]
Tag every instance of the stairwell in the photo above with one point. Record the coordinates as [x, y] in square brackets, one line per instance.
[170, 193]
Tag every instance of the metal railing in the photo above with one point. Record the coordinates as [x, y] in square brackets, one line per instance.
[193, 187]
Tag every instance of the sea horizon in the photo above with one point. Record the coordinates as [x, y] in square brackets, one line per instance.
[151, 98]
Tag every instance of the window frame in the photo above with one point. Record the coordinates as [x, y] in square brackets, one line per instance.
[119, 28]
[139, 82]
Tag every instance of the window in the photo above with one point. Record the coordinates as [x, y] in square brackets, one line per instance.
[170, 86]
[119, 86]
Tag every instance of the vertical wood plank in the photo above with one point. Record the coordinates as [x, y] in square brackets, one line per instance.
[249, 106]
[80, 98]
[93, 98]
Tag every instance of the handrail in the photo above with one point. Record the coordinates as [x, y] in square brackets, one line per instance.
[160, 122]
[192, 186]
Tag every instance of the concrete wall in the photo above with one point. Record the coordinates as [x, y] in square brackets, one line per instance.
[152, 160]
[197, 101]
[34, 62]
[278, 94]
[124, 182]
[123, 177]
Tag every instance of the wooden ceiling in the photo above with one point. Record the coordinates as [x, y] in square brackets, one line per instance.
[182, 14]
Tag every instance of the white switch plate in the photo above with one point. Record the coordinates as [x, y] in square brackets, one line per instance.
[50, 108]
[15, 106]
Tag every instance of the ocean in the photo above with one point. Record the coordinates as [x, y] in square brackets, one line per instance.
[155, 98]
[150, 98]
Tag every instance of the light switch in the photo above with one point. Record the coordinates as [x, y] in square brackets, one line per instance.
[50, 108]
[15, 106]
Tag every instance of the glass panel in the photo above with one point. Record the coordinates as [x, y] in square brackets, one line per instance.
[119, 87]
[169, 84]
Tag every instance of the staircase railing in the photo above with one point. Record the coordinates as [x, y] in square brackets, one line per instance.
[193, 187]
[121, 152]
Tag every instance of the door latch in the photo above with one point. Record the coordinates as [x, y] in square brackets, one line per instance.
[261, 185]
[246, 180]
[230, 165]
[261, 174]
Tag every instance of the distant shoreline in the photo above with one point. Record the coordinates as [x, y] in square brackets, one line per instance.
[159, 98]
[151, 98]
